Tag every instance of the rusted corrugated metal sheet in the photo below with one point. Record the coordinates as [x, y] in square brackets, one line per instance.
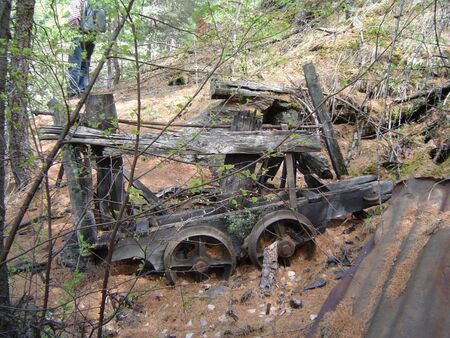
[400, 285]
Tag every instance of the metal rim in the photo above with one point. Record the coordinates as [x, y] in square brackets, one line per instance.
[198, 252]
[291, 228]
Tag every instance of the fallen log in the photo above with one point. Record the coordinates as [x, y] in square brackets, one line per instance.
[204, 142]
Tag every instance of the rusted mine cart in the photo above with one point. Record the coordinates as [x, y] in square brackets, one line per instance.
[205, 241]
[256, 146]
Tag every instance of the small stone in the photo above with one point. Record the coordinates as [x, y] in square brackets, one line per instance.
[203, 322]
[296, 304]
[164, 331]
[332, 260]
[211, 307]
[252, 311]
[316, 284]
[291, 275]
[189, 335]
[222, 318]
[349, 229]
[110, 332]
[189, 323]
[217, 334]
[312, 317]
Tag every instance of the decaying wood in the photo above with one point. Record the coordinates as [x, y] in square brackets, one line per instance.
[314, 163]
[79, 183]
[432, 94]
[101, 114]
[232, 185]
[28, 267]
[318, 99]
[246, 89]
[269, 268]
[216, 141]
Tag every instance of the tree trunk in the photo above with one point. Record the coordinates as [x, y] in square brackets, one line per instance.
[19, 143]
[5, 12]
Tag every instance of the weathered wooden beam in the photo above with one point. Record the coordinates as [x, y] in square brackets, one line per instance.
[314, 163]
[101, 114]
[320, 106]
[247, 89]
[217, 141]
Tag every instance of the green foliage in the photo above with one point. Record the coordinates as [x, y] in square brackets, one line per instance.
[240, 224]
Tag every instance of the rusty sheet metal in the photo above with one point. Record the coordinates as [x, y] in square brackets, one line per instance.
[400, 283]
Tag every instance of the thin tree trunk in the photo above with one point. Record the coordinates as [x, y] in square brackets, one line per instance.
[5, 13]
[19, 144]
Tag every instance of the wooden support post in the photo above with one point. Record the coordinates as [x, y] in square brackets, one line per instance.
[291, 170]
[101, 114]
[79, 183]
[231, 186]
[312, 81]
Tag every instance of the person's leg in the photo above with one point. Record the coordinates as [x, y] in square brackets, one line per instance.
[88, 50]
[74, 68]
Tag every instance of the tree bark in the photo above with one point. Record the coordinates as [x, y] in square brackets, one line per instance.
[6, 327]
[19, 143]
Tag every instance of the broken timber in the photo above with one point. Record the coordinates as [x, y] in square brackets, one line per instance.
[209, 142]
[318, 100]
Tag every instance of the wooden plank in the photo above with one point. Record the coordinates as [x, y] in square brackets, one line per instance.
[224, 90]
[318, 99]
[217, 141]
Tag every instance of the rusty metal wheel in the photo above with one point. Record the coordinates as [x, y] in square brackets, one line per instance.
[290, 228]
[199, 252]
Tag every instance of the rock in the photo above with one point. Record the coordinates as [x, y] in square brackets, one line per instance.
[222, 318]
[189, 323]
[340, 273]
[189, 335]
[349, 229]
[316, 284]
[211, 307]
[203, 323]
[252, 311]
[312, 317]
[110, 332]
[216, 292]
[218, 334]
[296, 304]
[291, 275]
[332, 261]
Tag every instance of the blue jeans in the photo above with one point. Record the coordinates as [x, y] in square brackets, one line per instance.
[79, 63]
